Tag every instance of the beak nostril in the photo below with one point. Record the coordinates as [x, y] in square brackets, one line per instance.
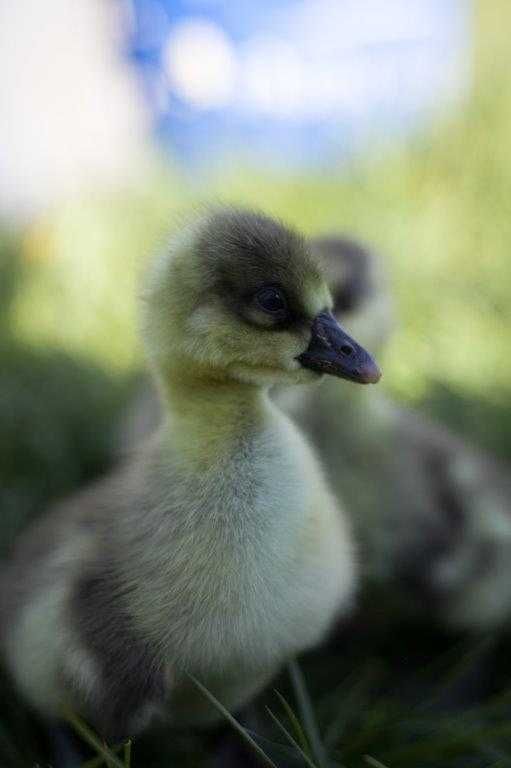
[331, 350]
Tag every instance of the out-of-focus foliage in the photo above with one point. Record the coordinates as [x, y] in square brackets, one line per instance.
[438, 209]
[57, 417]
[57, 414]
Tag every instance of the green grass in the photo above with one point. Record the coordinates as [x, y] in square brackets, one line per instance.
[381, 725]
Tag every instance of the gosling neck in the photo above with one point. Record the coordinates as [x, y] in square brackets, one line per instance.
[208, 413]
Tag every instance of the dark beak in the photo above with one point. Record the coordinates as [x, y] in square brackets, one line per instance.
[332, 351]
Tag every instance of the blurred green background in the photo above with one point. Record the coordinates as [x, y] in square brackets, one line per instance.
[437, 208]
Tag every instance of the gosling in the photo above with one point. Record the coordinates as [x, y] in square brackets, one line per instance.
[217, 551]
[431, 513]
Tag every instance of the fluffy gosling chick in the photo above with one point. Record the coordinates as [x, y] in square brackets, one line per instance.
[217, 550]
[432, 513]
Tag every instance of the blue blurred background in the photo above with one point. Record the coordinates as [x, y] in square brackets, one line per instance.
[296, 84]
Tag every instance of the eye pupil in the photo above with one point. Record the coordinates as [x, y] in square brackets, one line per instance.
[271, 300]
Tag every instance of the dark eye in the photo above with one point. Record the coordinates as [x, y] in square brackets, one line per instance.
[272, 300]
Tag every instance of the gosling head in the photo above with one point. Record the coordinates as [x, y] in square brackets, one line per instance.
[238, 296]
[359, 290]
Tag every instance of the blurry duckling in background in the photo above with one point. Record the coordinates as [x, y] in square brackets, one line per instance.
[217, 550]
[432, 515]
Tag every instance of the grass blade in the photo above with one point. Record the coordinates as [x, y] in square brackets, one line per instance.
[92, 740]
[292, 741]
[349, 697]
[127, 754]
[235, 724]
[97, 762]
[373, 762]
[307, 714]
[300, 735]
